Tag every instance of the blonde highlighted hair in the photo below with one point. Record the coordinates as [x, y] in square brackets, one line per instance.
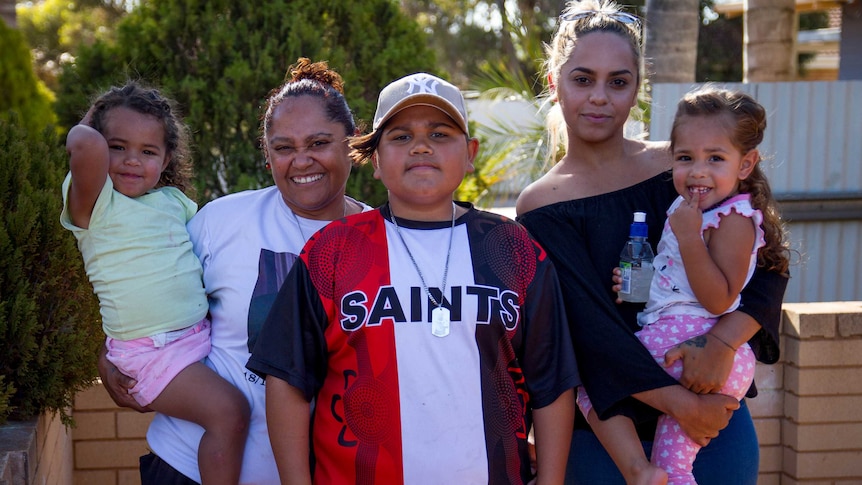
[586, 17]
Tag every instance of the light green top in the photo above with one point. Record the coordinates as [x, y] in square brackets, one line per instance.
[139, 259]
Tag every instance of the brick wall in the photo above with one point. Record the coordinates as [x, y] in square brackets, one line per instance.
[810, 420]
[53, 441]
[808, 414]
[38, 451]
[107, 441]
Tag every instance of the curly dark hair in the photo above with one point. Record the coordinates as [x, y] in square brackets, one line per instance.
[746, 123]
[150, 101]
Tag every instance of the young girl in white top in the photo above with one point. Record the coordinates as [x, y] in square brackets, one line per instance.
[723, 224]
[124, 202]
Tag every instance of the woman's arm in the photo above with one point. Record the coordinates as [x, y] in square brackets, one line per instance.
[288, 420]
[701, 416]
[117, 384]
[707, 361]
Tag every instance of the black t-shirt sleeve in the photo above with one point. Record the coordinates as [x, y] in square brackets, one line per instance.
[291, 345]
[761, 299]
[548, 358]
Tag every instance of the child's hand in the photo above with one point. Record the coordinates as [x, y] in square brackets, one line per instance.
[617, 278]
[687, 218]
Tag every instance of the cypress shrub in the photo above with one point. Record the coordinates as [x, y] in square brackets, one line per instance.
[220, 58]
[50, 329]
[22, 90]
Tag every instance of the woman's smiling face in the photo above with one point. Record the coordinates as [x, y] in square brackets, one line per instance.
[309, 157]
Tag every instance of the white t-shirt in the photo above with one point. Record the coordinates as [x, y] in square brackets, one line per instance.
[247, 243]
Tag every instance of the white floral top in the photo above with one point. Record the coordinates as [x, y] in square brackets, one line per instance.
[670, 292]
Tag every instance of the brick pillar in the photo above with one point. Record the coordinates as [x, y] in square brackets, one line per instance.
[822, 427]
[767, 410]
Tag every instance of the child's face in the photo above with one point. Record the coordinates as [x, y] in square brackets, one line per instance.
[597, 86]
[706, 164]
[422, 158]
[136, 146]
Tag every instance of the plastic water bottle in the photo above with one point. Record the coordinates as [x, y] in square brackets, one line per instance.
[636, 262]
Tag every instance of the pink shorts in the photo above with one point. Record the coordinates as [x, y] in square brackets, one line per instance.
[154, 361]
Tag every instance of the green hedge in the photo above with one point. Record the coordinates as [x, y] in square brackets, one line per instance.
[50, 330]
[22, 90]
[219, 59]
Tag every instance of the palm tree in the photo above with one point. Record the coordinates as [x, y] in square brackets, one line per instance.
[671, 39]
[512, 151]
[770, 32]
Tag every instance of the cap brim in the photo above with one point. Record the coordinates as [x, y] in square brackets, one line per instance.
[424, 99]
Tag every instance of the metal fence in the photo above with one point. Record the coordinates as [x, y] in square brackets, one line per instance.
[813, 155]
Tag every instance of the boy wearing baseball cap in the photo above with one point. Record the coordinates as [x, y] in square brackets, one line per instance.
[430, 335]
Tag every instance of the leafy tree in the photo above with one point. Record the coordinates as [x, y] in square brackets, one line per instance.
[219, 59]
[49, 321]
[49, 317]
[511, 153]
[719, 50]
[21, 90]
[57, 28]
[472, 37]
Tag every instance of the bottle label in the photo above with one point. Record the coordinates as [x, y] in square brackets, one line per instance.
[626, 286]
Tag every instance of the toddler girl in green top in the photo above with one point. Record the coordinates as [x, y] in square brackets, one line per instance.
[124, 201]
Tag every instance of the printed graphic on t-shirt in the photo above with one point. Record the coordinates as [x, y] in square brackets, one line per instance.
[271, 269]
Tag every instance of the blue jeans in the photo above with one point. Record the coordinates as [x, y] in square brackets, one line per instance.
[732, 457]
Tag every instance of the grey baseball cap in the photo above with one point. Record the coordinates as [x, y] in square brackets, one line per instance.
[421, 89]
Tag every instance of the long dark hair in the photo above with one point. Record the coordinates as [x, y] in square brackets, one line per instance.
[746, 123]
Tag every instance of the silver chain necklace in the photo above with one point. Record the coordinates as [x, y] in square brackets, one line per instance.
[440, 315]
[299, 225]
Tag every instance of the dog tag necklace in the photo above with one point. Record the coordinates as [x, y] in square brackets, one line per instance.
[440, 315]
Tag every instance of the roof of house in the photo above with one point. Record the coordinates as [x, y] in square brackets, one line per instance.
[733, 8]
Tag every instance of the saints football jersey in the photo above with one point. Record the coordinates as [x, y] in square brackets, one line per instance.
[351, 327]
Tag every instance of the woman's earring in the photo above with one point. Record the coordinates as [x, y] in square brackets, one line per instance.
[267, 166]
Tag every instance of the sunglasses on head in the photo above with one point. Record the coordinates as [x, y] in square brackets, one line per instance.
[623, 17]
